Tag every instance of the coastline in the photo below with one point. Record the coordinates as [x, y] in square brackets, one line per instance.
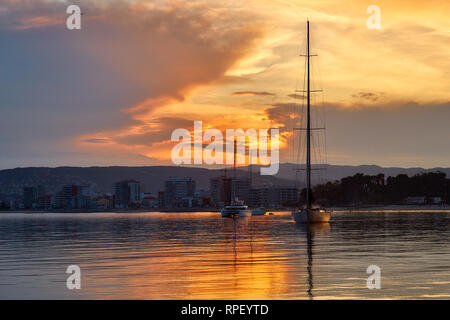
[394, 208]
[367, 208]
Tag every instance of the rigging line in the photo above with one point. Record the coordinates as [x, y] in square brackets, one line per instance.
[294, 112]
[300, 144]
[323, 117]
[321, 155]
[316, 66]
[301, 141]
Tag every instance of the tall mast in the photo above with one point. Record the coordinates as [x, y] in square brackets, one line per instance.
[234, 159]
[233, 181]
[249, 167]
[308, 128]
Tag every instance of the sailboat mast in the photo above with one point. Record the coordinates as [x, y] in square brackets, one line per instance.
[307, 215]
[234, 158]
[308, 127]
[250, 168]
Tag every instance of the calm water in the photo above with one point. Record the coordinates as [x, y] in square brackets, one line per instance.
[203, 256]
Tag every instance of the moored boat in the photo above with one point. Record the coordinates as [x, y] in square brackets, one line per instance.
[236, 210]
[309, 214]
[312, 215]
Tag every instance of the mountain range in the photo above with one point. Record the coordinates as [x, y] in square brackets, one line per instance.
[102, 179]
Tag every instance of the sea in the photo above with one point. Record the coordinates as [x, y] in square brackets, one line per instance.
[200, 255]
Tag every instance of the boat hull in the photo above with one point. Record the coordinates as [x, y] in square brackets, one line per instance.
[314, 216]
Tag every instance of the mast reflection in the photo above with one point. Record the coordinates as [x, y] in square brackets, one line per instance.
[310, 230]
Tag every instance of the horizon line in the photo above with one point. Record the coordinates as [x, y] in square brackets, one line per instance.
[219, 167]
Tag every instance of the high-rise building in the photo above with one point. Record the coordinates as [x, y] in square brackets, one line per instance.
[73, 196]
[220, 189]
[45, 202]
[179, 192]
[127, 194]
[225, 190]
[272, 197]
[240, 189]
[83, 197]
[161, 200]
[68, 200]
[28, 197]
[134, 189]
[31, 196]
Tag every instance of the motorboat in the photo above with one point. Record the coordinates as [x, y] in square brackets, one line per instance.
[237, 208]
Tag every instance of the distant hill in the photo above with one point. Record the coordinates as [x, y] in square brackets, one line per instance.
[12, 181]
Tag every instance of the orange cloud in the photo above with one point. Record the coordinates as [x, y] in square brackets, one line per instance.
[170, 50]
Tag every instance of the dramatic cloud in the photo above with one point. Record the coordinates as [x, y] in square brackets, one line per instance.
[114, 91]
[130, 60]
[170, 51]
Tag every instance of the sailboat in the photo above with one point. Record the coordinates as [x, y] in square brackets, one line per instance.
[237, 207]
[309, 214]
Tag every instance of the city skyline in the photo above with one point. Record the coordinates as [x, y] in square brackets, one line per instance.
[182, 193]
[112, 92]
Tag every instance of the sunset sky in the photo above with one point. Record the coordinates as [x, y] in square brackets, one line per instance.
[113, 92]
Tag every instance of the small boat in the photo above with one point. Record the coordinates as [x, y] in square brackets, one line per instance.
[258, 212]
[237, 208]
[311, 215]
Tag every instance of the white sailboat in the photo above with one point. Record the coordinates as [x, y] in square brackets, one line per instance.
[309, 214]
[237, 207]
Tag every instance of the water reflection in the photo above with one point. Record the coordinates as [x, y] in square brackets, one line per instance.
[309, 231]
[203, 256]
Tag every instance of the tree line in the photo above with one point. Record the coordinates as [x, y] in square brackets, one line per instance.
[361, 189]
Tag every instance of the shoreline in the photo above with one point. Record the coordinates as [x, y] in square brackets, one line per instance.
[386, 208]
[394, 208]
